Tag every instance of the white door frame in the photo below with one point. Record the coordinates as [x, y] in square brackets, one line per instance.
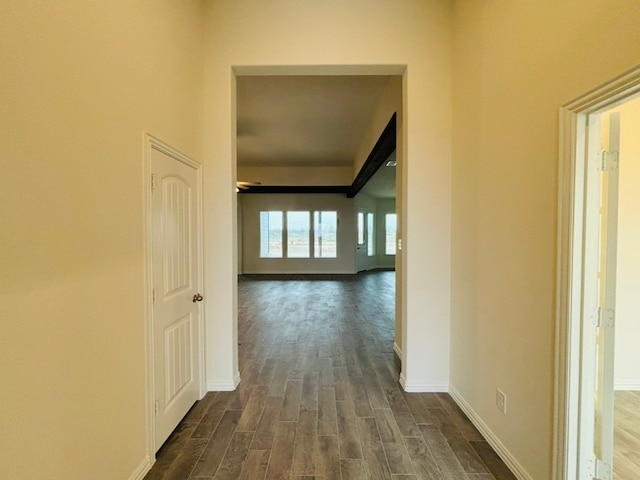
[570, 264]
[153, 143]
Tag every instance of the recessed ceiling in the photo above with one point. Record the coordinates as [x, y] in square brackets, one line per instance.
[297, 121]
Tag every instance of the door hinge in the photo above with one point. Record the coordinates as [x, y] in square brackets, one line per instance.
[153, 182]
[597, 469]
[605, 317]
[609, 160]
[156, 407]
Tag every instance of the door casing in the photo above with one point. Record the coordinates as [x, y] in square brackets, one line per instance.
[571, 250]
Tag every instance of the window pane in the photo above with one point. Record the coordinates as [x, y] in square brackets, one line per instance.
[371, 246]
[360, 228]
[390, 230]
[325, 232]
[270, 234]
[298, 230]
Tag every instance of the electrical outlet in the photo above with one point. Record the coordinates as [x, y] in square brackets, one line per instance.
[501, 401]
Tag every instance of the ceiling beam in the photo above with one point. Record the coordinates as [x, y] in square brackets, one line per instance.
[384, 147]
[342, 189]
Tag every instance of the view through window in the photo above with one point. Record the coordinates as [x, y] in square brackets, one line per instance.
[371, 246]
[270, 234]
[325, 231]
[292, 234]
[360, 221]
[390, 225]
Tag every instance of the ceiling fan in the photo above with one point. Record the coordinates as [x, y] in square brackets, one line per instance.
[245, 185]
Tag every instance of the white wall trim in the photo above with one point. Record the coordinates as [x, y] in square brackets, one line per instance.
[396, 350]
[224, 386]
[491, 438]
[627, 385]
[403, 381]
[142, 469]
[425, 387]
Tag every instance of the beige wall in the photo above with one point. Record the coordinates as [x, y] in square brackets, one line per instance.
[627, 357]
[80, 83]
[515, 63]
[253, 204]
[400, 37]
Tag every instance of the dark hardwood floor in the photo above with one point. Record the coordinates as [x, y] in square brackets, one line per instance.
[319, 396]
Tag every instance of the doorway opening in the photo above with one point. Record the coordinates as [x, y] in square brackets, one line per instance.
[281, 188]
[598, 238]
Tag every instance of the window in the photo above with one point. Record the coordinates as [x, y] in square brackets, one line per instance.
[292, 234]
[371, 245]
[271, 234]
[390, 224]
[325, 234]
[360, 228]
[298, 231]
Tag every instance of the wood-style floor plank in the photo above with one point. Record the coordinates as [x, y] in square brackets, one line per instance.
[212, 455]
[394, 447]
[626, 436]
[305, 445]
[349, 438]
[183, 465]
[255, 465]
[265, 431]
[291, 402]
[353, 469]
[422, 459]
[234, 457]
[327, 414]
[372, 449]
[279, 467]
[319, 397]
[443, 455]
[495, 465]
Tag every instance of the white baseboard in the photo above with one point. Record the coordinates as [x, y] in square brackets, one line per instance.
[412, 387]
[506, 456]
[397, 350]
[223, 386]
[142, 469]
[627, 385]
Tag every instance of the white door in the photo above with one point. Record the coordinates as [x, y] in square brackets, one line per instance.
[599, 299]
[605, 336]
[176, 308]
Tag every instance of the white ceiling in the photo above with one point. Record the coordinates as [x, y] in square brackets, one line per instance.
[304, 120]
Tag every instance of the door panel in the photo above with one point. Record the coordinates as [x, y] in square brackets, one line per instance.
[605, 333]
[175, 281]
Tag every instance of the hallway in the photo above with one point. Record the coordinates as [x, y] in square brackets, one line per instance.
[319, 396]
